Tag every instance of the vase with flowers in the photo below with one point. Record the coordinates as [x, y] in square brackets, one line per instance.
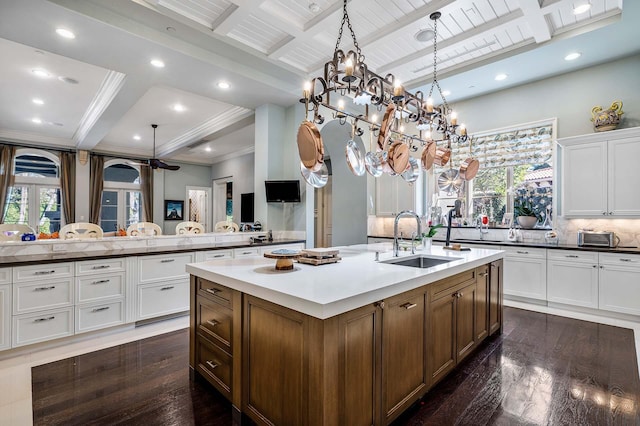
[526, 216]
[427, 236]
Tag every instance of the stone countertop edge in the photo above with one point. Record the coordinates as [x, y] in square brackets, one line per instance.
[629, 250]
[57, 257]
[328, 290]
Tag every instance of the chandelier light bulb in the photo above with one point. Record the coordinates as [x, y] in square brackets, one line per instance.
[341, 105]
[429, 104]
[306, 89]
[454, 118]
[463, 130]
[374, 118]
[348, 67]
[398, 90]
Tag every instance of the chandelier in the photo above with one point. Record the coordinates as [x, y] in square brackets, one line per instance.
[347, 76]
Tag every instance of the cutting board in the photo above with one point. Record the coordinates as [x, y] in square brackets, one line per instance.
[320, 252]
[318, 261]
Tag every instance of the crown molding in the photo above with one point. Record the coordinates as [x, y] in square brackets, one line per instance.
[233, 155]
[108, 90]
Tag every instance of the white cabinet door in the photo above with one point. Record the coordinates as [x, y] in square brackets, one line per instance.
[5, 316]
[623, 177]
[203, 256]
[42, 326]
[525, 272]
[159, 268]
[393, 194]
[572, 283]
[99, 315]
[155, 300]
[584, 179]
[245, 252]
[405, 195]
[619, 276]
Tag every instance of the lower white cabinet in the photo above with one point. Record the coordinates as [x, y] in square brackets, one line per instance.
[94, 288]
[5, 316]
[572, 278]
[203, 256]
[245, 252]
[619, 277]
[95, 316]
[155, 300]
[525, 272]
[40, 326]
[38, 296]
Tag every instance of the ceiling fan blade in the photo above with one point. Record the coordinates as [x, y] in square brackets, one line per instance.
[137, 163]
[159, 164]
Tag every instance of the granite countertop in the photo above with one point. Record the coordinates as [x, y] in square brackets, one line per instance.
[619, 249]
[64, 256]
[328, 290]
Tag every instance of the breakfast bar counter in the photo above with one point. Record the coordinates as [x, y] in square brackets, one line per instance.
[353, 342]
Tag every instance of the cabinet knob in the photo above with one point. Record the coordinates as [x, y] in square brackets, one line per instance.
[610, 213]
[604, 213]
[379, 304]
[595, 266]
[483, 274]
[408, 306]
[601, 267]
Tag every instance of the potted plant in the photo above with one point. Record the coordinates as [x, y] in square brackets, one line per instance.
[526, 216]
[429, 234]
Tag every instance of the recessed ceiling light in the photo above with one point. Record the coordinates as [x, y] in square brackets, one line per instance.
[424, 35]
[63, 32]
[446, 93]
[179, 108]
[171, 29]
[581, 8]
[501, 77]
[572, 56]
[208, 149]
[36, 120]
[223, 85]
[157, 63]
[37, 101]
[136, 137]
[68, 80]
[314, 7]
[42, 73]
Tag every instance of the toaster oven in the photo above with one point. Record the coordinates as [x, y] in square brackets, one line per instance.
[596, 238]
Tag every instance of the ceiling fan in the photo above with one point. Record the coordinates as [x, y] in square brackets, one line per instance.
[154, 162]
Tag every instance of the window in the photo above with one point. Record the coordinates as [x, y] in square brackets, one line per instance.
[515, 167]
[121, 196]
[34, 199]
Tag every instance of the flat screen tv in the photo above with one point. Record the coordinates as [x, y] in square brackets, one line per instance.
[282, 191]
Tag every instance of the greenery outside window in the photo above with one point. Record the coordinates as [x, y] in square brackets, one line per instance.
[34, 199]
[121, 196]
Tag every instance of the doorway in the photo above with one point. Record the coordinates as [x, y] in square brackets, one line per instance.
[199, 206]
[222, 200]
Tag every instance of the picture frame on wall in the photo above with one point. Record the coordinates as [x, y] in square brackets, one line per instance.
[173, 210]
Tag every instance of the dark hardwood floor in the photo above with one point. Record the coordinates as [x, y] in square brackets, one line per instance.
[543, 370]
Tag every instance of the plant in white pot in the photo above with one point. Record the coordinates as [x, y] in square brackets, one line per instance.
[526, 216]
[429, 234]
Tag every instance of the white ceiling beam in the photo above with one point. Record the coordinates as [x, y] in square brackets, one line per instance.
[488, 28]
[536, 20]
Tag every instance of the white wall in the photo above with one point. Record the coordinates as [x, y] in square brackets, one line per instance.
[241, 171]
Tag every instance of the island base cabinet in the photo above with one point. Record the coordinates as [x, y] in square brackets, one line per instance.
[495, 297]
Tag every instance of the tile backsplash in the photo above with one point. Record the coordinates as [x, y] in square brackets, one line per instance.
[628, 230]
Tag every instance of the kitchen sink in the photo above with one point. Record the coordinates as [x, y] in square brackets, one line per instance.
[421, 261]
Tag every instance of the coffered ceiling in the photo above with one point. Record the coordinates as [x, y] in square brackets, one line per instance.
[264, 49]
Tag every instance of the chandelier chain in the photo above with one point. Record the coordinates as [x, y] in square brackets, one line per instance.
[345, 18]
[436, 83]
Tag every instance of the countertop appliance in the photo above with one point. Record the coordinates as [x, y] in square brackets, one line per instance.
[587, 237]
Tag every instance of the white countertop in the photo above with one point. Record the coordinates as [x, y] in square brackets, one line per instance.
[327, 290]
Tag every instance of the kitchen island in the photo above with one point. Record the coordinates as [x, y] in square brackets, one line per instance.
[356, 342]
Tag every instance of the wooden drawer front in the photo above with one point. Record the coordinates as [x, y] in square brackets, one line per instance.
[30, 297]
[165, 267]
[161, 299]
[101, 265]
[203, 256]
[5, 275]
[97, 287]
[528, 252]
[33, 328]
[244, 252]
[215, 322]
[99, 315]
[573, 256]
[44, 272]
[443, 288]
[215, 365]
[620, 259]
[216, 292]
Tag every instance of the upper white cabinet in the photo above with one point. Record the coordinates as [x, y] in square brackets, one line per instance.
[599, 174]
[393, 195]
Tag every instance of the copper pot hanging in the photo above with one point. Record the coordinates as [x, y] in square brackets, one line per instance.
[385, 127]
[398, 157]
[310, 146]
[442, 155]
[428, 155]
[469, 167]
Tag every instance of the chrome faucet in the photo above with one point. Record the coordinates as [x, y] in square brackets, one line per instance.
[396, 246]
[484, 229]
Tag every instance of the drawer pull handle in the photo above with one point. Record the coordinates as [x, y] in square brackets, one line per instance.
[595, 266]
[572, 256]
[408, 306]
[44, 319]
[101, 282]
[104, 308]
[212, 364]
[44, 272]
[626, 260]
[51, 287]
[247, 252]
[167, 260]
[212, 290]
[212, 323]
[101, 267]
[483, 274]
[522, 252]
[166, 288]
[218, 255]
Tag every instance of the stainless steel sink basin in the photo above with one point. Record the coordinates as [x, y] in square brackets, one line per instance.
[421, 261]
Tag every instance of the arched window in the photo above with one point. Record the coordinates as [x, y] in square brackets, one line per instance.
[34, 198]
[121, 196]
